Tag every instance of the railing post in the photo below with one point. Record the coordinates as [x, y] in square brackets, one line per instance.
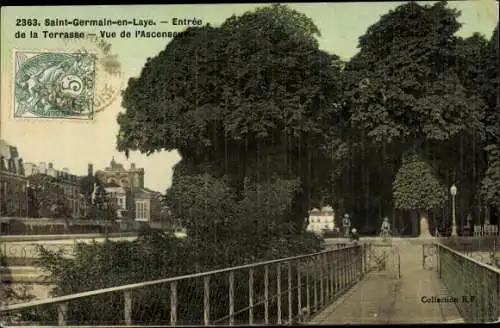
[308, 291]
[62, 313]
[322, 281]
[128, 307]
[290, 310]
[326, 272]
[343, 270]
[363, 258]
[173, 303]
[354, 263]
[206, 300]
[315, 282]
[330, 275]
[497, 314]
[336, 272]
[250, 296]
[438, 260]
[299, 292]
[278, 291]
[231, 298]
[266, 294]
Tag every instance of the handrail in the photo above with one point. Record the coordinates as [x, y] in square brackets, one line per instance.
[65, 298]
[467, 277]
[39, 238]
[484, 265]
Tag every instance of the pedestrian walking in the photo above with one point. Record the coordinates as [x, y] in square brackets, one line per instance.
[346, 224]
[385, 229]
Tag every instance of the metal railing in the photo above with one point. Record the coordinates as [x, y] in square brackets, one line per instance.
[281, 291]
[475, 286]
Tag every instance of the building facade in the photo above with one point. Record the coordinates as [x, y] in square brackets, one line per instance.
[131, 178]
[118, 195]
[13, 183]
[321, 220]
[126, 188]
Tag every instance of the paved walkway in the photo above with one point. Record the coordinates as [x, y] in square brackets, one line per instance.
[380, 298]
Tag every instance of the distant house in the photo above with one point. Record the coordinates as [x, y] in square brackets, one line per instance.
[126, 188]
[147, 205]
[13, 184]
[321, 220]
[118, 195]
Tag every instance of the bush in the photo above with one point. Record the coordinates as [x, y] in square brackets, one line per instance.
[227, 233]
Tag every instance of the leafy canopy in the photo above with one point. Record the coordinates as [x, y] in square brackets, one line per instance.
[225, 230]
[403, 84]
[416, 187]
[47, 197]
[249, 99]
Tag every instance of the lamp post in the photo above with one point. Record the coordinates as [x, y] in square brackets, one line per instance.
[453, 192]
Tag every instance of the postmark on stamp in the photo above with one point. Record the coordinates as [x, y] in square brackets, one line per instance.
[54, 85]
[74, 84]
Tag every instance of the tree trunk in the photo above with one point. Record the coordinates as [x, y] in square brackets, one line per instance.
[414, 223]
[424, 225]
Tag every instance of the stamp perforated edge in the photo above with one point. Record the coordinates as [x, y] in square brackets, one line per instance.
[12, 90]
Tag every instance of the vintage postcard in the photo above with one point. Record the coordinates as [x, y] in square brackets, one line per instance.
[250, 164]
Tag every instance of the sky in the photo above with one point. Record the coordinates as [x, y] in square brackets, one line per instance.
[75, 143]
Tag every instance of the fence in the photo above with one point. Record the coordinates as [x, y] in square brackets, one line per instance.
[485, 230]
[274, 292]
[483, 249]
[475, 286]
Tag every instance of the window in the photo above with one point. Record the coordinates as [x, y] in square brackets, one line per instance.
[121, 202]
[141, 210]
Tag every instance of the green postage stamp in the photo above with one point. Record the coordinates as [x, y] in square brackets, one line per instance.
[54, 85]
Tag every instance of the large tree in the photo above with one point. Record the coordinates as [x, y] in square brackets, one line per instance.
[416, 188]
[403, 92]
[46, 197]
[489, 89]
[251, 98]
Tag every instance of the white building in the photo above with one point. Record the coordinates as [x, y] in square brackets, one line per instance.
[118, 194]
[320, 220]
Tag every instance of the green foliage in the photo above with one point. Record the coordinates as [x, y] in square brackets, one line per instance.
[154, 255]
[415, 186]
[100, 206]
[414, 85]
[490, 74]
[227, 231]
[249, 99]
[47, 198]
[490, 189]
[403, 84]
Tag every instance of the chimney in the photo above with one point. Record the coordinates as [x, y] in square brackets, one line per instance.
[51, 166]
[90, 170]
[65, 170]
[20, 167]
